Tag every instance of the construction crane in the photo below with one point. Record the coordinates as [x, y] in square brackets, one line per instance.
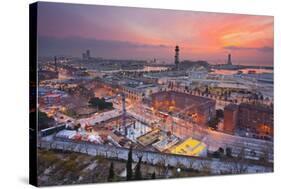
[123, 98]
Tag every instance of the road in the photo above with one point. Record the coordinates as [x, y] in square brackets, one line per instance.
[216, 166]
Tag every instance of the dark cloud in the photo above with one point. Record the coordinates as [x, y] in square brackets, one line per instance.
[262, 49]
[49, 46]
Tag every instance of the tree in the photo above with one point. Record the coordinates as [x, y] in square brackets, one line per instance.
[221, 150]
[129, 165]
[138, 175]
[240, 164]
[100, 103]
[206, 91]
[76, 127]
[225, 95]
[153, 176]
[228, 152]
[44, 121]
[219, 153]
[213, 123]
[111, 175]
[219, 113]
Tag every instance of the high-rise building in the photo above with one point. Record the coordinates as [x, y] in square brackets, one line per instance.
[56, 64]
[88, 54]
[177, 49]
[229, 59]
[84, 56]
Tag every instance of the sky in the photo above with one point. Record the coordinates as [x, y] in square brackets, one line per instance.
[143, 33]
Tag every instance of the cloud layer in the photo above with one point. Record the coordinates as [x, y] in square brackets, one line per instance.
[123, 32]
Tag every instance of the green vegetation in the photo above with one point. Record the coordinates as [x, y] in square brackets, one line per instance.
[138, 174]
[213, 123]
[100, 103]
[228, 152]
[219, 113]
[70, 113]
[153, 176]
[111, 175]
[59, 167]
[129, 165]
[219, 153]
[44, 121]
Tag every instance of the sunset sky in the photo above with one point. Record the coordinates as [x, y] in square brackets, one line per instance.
[137, 33]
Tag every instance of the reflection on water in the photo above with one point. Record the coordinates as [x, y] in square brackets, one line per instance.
[241, 71]
[145, 69]
[158, 68]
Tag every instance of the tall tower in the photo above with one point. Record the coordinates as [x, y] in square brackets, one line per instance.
[56, 65]
[229, 59]
[177, 50]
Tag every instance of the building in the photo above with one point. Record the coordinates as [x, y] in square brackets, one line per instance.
[255, 119]
[137, 90]
[191, 147]
[88, 55]
[229, 59]
[47, 75]
[50, 99]
[186, 106]
[56, 64]
[230, 118]
[228, 65]
[84, 56]
[177, 50]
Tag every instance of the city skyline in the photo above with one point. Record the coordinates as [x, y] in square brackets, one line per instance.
[137, 33]
[127, 94]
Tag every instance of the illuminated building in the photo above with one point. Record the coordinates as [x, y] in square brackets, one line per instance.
[50, 99]
[230, 118]
[190, 147]
[186, 106]
[256, 119]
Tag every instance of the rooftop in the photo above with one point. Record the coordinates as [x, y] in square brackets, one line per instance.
[190, 147]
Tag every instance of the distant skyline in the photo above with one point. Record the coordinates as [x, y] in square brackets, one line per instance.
[143, 33]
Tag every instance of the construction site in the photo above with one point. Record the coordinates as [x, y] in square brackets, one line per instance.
[120, 128]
